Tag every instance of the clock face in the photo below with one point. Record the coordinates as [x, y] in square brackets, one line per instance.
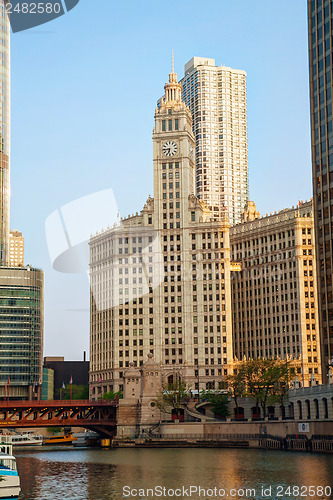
[170, 148]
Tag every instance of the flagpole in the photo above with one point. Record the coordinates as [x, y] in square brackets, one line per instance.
[61, 389]
[39, 389]
[71, 384]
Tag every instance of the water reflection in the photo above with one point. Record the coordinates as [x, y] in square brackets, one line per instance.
[102, 474]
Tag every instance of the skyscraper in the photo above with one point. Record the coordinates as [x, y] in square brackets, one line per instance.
[216, 97]
[4, 134]
[16, 248]
[21, 331]
[21, 288]
[274, 295]
[183, 320]
[320, 20]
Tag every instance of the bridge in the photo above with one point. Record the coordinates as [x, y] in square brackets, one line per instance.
[99, 416]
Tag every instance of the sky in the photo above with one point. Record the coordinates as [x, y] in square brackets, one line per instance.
[84, 89]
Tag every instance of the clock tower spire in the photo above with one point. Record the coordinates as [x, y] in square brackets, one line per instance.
[174, 167]
[173, 90]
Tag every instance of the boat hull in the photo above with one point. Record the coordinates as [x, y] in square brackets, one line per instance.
[60, 440]
[27, 438]
[47, 442]
[27, 443]
[10, 487]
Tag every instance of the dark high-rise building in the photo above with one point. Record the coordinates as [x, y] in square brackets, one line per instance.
[320, 51]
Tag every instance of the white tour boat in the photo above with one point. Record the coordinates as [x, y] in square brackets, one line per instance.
[9, 478]
[26, 438]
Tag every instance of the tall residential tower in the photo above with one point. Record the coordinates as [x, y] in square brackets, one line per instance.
[320, 51]
[216, 97]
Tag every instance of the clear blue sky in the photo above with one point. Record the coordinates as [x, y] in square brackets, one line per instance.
[84, 89]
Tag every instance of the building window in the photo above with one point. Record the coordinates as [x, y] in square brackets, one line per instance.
[176, 124]
[163, 126]
[170, 125]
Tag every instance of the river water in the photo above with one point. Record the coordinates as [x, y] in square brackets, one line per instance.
[103, 474]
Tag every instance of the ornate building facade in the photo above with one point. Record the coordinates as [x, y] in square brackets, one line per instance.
[160, 280]
[274, 292]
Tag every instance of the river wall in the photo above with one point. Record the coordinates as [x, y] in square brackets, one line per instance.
[216, 430]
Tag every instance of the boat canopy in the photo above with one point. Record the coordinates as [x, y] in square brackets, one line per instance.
[4, 456]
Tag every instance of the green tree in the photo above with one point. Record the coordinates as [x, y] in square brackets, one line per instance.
[173, 397]
[219, 403]
[54, 430]
[112, 395]
[236, 386]
[78, 392]
[253, 376]
[264, 378]
[280, 389]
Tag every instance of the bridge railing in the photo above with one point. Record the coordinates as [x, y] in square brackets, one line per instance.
[57, 402]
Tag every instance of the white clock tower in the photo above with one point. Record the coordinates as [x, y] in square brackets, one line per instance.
[184, 322]
[173, 153]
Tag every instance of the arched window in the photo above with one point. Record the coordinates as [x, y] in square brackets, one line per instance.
[300, 415]
[239, 413]
[255, 411]
[308, 410]
[291, 410]
[316, 407]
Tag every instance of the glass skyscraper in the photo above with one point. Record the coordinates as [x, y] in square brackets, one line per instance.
[4, 134]
[21, 331]
[21, 288]
[320, 23]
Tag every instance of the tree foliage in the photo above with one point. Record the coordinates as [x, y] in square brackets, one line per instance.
[111, 395]
[219, 403]
[235, 384]
[54, 430]
[279, 391]
[265, 380]
[78, 392]
[173, 397]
